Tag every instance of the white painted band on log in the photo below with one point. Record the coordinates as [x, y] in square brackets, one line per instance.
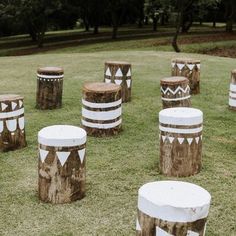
[62, 136]
[101, 126]
[233, 87]
[175, 99]
[180, 131]
[232, 102]
[232, 95]
[50, 76]
[101, 105]
[174, 201]
[1, 126]
[181, 116]
[4, 115]
[102, 115]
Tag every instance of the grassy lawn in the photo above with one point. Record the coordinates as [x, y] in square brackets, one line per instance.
[117, 166]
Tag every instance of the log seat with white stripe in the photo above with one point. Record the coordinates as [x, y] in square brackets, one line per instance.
[12, 122]
[232, 91]
[49, 88]
[61, 164]
[172, 208]
[119, 72]
[189, 68]
[101, 109]
[175, 92]
[180, 141]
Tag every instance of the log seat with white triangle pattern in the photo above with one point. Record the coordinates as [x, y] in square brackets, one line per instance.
[189, 68]
[172, 208]
[49, 88]
[232, 91]
[61, 164]
[12, 122]
[101, 109]
[180, 141]
[119, 72]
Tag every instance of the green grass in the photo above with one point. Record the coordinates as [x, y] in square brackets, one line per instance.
[117, 166]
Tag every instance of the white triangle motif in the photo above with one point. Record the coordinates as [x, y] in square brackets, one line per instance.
[4, 106]
[163, 138]
[43, 154]
[128, 82]
[81, 155]
[190, 66]
[181, 140]
[13, 105]
[118, 81]
[191, 233]
[198, 66]
[172, 64]
[197, 139]
[190, 140]
[180, 66]
[119, 73]
[62, 156]
[138, 227]
[108, 72]
[161, 232]
[129, 73]
[171, 139]
[107, 81]
[20, 103]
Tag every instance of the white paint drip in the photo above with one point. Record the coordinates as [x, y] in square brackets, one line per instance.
[43, 154]
[119, 73]
[63, 156]
[138, 227]
[81, 155]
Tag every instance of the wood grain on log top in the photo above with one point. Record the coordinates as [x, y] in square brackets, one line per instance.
[98, 87]
[186, 60]
[50, 70]
[10, 97]
[118, 63]
[174, 80]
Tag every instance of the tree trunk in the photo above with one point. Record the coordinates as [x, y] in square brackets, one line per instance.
[114, 32]
[155, 23]
[95, 31]
[229, 26]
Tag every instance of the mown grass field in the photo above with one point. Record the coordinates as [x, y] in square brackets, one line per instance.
[117, 166]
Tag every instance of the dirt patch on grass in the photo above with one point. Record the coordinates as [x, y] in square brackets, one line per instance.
[221, 52]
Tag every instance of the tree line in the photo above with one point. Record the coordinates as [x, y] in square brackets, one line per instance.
[35, 17]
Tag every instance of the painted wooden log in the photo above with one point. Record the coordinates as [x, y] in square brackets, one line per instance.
[172, 208]
[232, 91]
[12, 122]
[49, 88]
[180, 141]
[119, 72]
[101, 111]
[61, 166]
[175, 92]
[189, 68]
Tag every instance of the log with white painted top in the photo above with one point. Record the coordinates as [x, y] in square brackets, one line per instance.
[49, 88]
[180, 141]
[189, 68]
[101, 109]
[12, 122]
[175, 92]
[61, 165]
[232, 91]
[119, 72]
[172, 208]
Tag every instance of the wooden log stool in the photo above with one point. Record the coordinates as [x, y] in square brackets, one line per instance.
[119, 72]
[189, 68]
[101, 111]
[49, 88]
[175, 92]
[180, 141]
[61, 166]
[172, 208]
[12, 122]
[232, 92]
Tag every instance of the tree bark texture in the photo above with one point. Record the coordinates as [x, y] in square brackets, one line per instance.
[189, 68]
[12, 122]
[180, 145]
[175, 92]
[232, 91]
[119, 73]
[101, 111]
[49, 88]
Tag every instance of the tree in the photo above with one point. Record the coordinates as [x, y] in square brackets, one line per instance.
[230, 13]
